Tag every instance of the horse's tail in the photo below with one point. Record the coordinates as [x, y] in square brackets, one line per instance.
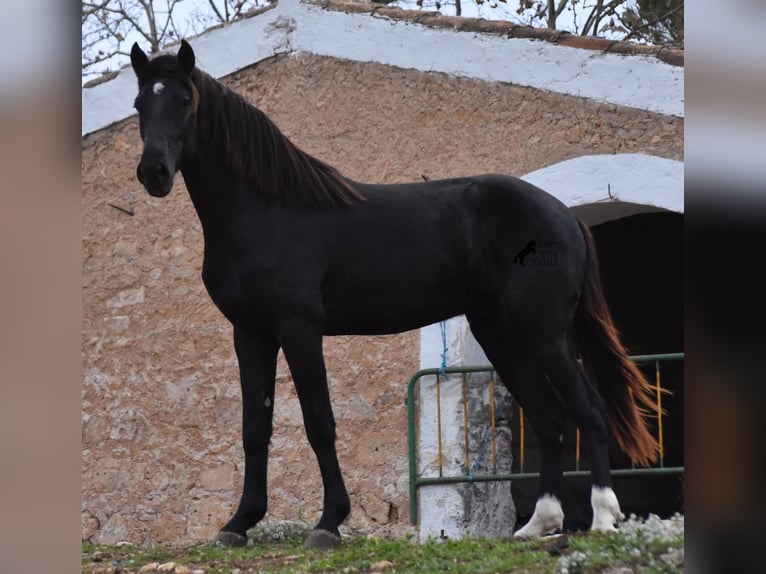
[626, 392]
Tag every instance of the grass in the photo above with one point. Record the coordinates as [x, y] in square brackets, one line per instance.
[650, 546]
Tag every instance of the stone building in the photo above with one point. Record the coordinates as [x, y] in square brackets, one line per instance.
[370, 91]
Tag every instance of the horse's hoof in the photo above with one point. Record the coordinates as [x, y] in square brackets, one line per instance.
[547, 518]
[230, 540]
[322, 539]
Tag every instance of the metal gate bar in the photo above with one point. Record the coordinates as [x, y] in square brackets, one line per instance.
[416, 482]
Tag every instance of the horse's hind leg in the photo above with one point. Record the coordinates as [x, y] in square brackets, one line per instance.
[257, 356]
[589, 414]
[302, 345]
[522, 374]
[545, 412]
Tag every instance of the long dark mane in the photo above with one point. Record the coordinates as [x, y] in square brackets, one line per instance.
[257, 152]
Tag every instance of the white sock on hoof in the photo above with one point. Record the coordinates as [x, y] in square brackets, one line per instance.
[606, 509]
[548, 517]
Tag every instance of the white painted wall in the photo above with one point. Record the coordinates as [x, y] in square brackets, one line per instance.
[637, 81]
[442, 508]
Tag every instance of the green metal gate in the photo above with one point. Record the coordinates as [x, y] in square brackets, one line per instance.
[417, 481]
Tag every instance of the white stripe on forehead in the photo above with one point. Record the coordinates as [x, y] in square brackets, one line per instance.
[158, 87]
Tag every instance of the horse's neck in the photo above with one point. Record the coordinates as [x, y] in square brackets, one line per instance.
[217, 198]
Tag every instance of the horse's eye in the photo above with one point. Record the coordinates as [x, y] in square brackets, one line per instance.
[186, 100]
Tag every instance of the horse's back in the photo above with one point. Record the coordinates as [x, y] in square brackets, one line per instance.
[413, 254]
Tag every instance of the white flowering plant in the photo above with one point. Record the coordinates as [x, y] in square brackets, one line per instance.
[289, 531]
[651, 546]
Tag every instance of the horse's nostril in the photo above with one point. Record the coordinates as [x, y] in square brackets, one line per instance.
[153, 171]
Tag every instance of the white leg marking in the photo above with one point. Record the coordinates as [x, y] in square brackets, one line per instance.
[548, 517]
[606, 509]
[158, 87]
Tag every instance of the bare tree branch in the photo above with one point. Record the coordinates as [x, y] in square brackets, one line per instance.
[598, 13]
[635, 30]
[240, 8]
[590, 20]
[106, 25]
[560, 8]
[233, 9]
[169, 20]
[215, 9]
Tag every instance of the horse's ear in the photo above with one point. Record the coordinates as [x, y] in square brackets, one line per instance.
[186, 57]
[137, 58]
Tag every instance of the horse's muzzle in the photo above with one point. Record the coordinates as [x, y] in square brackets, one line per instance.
[155, 176]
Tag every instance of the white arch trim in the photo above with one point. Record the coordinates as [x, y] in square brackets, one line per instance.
[604, 187]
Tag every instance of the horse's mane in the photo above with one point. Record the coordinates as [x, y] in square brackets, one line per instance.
[258, 153]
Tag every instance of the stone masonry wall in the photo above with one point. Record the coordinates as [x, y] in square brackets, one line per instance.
[162, 457]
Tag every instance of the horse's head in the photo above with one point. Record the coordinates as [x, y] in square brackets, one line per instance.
[166, 105]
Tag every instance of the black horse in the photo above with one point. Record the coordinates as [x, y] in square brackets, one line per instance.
[295, 251]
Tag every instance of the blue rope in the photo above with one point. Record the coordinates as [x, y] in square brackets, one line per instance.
[483, 449]
[443, 372]
[480, 457]
[443, 368]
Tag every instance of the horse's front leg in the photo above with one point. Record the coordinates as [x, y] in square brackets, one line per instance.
[301, 342]
[257, 356]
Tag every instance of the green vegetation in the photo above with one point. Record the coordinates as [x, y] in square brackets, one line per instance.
[653, 546]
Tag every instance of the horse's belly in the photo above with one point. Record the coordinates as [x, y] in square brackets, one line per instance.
[382, 326]
[393, 311]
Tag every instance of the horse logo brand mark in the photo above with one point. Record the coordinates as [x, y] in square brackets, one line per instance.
[538, 254]
[521, 255]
